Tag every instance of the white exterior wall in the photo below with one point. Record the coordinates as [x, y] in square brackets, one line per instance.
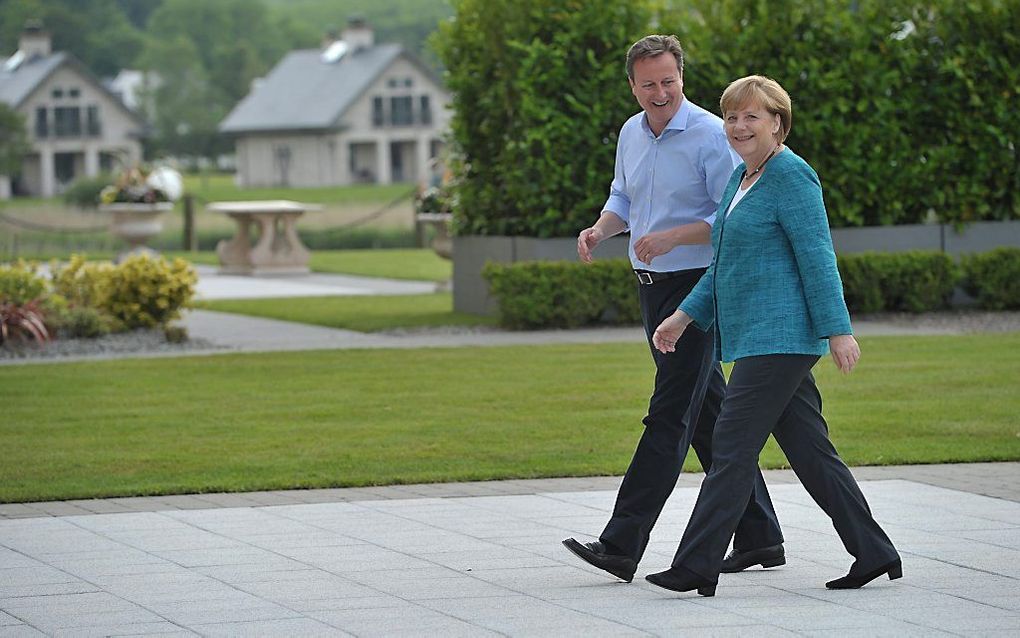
[324, 159]
[118, 132]
[315, 160]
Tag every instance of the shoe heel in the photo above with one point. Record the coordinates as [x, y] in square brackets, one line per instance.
[773, 562]
[896, 571]
[707, 591]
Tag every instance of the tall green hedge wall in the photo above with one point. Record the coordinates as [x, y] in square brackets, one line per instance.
[906, 108]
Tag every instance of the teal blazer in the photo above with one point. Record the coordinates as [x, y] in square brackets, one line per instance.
[773, 287]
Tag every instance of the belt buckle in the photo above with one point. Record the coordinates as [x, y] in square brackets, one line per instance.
[645, 278]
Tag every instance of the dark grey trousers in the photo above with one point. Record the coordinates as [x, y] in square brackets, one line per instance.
[689, 387]
[776, 394]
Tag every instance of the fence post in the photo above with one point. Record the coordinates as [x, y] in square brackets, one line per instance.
[189, 243]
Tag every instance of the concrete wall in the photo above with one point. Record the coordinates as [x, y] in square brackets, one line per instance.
[471, 293]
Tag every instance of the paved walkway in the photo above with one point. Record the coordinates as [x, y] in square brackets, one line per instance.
[484, 559]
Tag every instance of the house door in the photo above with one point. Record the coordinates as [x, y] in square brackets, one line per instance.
[63, 168]
[396, 162]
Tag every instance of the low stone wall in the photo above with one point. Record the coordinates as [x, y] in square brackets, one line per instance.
[471, 293]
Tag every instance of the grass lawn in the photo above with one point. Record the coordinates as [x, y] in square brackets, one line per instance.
[336, 418]
[216, 187]
[394, 263]
[361, 313]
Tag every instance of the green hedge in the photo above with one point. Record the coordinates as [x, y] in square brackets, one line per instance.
[993, 278]
[905, 108]
[916, 281]
[557, 294]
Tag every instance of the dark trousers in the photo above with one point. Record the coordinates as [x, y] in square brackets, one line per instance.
[776, 394]
[689, 388]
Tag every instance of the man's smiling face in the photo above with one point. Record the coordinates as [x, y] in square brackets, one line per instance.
[658, 87]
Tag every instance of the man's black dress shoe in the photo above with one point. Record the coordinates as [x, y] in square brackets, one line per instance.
[594, 553]
[850, 581]
[682, 579]
[738, 561]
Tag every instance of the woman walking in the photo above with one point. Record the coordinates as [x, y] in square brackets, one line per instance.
[776, 298]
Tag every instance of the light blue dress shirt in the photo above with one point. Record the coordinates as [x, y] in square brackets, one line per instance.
[674, 179]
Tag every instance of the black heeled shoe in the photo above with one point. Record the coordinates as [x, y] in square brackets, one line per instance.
[894, 569]
[682, 579]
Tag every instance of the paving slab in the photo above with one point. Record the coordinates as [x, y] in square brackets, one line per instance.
[454, 564]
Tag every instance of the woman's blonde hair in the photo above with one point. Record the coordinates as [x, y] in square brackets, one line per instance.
[758, 89]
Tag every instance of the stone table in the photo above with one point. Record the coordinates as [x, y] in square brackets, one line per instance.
[278, 249]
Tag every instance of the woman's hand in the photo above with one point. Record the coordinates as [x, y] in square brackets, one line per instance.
[845, 352]
[669, 331]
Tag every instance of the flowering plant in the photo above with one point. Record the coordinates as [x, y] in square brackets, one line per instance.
[138, 185]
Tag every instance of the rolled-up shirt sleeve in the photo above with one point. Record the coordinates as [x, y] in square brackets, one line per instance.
[718, 162]
[619, 201]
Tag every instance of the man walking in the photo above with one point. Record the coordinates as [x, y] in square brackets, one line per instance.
[672, 164]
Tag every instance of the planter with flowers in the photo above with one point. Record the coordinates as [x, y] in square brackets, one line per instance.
[136, 203]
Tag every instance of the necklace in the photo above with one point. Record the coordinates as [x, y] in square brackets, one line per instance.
[762, 165]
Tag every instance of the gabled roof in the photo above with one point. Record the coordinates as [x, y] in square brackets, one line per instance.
[305, 93]
[17, 85]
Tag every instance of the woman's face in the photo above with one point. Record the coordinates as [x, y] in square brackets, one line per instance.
[751, 131]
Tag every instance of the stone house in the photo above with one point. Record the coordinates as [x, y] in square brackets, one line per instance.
[350, 112]
[76, 126]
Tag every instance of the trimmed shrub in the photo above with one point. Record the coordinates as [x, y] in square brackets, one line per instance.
[84, 192]
[20, 284]
[147, 292]
[915, 281]
[554, 294]
[862, 285]
[82, 283]
[83, 322]
[993, 278]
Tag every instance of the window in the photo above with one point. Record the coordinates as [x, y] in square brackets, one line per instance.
[378, 116]
[400, 111]
[42, 125]
[408, 82]
[392, 83]
[57, 93]
[425, 110]
[92, 125]
[73, 93]
[67, 121]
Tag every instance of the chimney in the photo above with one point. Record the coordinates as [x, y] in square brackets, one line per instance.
[35, 40]
[358, 34]
[328, 38]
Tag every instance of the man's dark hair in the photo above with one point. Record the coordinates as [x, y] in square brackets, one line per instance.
[651, 46]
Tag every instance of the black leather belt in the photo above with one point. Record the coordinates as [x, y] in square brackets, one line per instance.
[647, 277]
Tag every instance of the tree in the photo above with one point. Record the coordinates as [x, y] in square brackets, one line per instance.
[540, 93]
[13, 140]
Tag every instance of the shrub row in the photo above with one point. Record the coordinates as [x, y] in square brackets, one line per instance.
[554, 294]
[567, 294]
[89, 299]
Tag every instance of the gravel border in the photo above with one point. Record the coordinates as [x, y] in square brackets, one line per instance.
[136, 341]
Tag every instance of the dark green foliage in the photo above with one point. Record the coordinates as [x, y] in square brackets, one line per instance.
[903, 107]
[556, 294]
[540, 93]
[916, 281]
[84, 322]
[13, 140]
[862, 286]
[994, 278]
[84, 192]
[564, 295]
